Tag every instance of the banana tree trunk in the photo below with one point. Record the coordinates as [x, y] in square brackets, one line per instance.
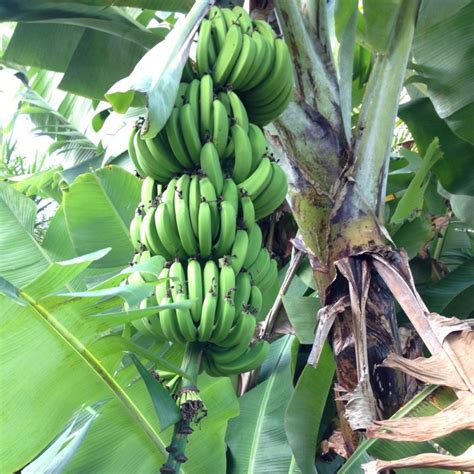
[336, 195]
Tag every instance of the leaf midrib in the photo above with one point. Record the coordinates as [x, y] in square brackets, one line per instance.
[99, 370]
[270, 381]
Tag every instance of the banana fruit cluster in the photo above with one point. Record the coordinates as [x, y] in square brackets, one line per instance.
[247, 56]
[208, 179]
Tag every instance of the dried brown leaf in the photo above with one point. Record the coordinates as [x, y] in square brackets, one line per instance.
[464, 462]
[458, 416]
[437, 369]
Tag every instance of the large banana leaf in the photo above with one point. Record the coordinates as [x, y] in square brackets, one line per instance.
[22, 256]
[257, 439]
[305, 410]
[444, 63]
[65, 370]
[98, 208]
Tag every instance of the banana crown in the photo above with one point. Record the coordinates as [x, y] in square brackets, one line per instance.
[208, 179]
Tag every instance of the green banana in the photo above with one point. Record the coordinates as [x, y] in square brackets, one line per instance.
[250, 360]
[132, 153]
[256, 301]
[135, 226]
[163, 156]
[239, 250]
[147, 163]
[248, 211]
[177, 276]
[228, 55]
[262, 65]
[194, 202]
[149, 235]
[279, 77]
[228, 220]
[265, 29]
[243, 286]
[205, 230]
[242, 154]
[209, 195]
[206, 97]
[202, 48]
[188, 73]
[255, 244]
[195, 288]
[258, 144]
[208, 313]
[211, 166]
[230, 193]
[193, 97]
[220, 127]
[222, 96]
[166, 233]
[148, 191]
[190, 131]
[237, 341]
[181, 97]
[185, 320]
[259, 179]
[176, 140]
[244, 63]
[183, 219]
[229, 17]
[210, 276]
[225, 306]
[273, 195]
[169, 323]
[260, 267]
[168, 197]
[243, 19]
[269, 278]
[219, 27]
[238, 111]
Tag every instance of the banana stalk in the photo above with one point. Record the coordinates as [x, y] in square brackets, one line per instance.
[191, 407]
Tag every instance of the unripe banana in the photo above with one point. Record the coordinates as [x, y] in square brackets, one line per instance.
[148, 191]
[205, 230]
[132, 153]
[211, 276]
[181, 97]
[224, 319]
[185, 320]
[263, 63]
[238, 111]
[242, 154]
[176, 140]
[248, 211]
[190, 132]
[209, 194]
[228, 219]
[255, 244]
[206, 97]
[258, 144]
[259, 268]
[195, 288]
[149, 235]
[192, 98]
[194, 202]
[239, 250]
[211, 166]
[165, 229]
[270, 277]
[169, 323]
[228, 55]
[219, 27]
[243, 19]
[229, 17]
[208, 313]
[183, 219]
[273, 195]
[256, 301]
[230, 193]
[250, 360]
[244, 63]
[135, 226]
[163, 156]
[220, 127]
[243, 288]
[258, 180]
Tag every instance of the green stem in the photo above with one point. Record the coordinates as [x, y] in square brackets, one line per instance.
[379, 111]
[177, 447]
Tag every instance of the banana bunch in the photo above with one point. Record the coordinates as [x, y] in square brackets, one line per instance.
[248, 57]
[208, 179]
[224, 311]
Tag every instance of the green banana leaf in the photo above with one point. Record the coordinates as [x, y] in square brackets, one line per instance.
[23, 258]
[257, 439]
[98, 208]
[444, 64]
[302, 312]
[57, 358]
[305, 410]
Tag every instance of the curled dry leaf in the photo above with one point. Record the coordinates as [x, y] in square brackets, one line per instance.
[464, 462]
[456, 417]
